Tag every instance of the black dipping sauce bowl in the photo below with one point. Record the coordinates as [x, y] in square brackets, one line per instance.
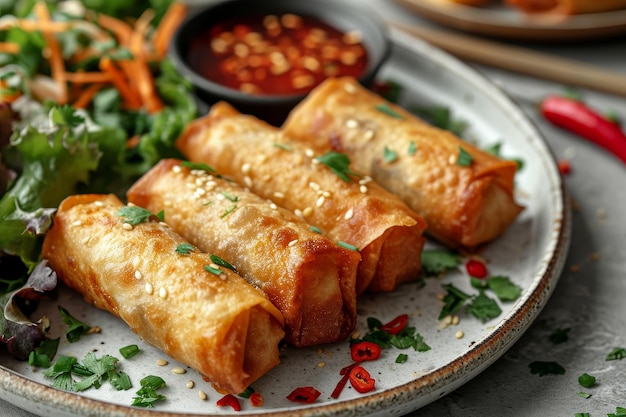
[274, 108]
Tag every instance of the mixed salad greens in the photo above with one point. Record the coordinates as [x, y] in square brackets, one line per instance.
[88, 103]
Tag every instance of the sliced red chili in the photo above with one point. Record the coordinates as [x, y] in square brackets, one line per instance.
[256, 399]
[364, 351]
[476, 268]
[345, 372]
[396, 325]
[564, 167]
[361, 380]
[305, 395]
[229, 400]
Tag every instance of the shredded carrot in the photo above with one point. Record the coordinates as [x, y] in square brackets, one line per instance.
[174, 16]
[86, 95]
[122, 30]
[9, 47]
[141, 70]
[133, 142]
[118, 79]
[87, 77]
[33, 25]
[57, 65]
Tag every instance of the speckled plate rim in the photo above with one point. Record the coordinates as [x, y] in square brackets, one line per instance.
[507, 23]
[428, 387]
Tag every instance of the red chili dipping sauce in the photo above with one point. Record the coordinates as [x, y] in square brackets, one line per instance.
[276, 54]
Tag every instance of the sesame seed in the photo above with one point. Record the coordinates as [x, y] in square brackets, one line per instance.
[190, 185]
[245, 168]
[349, 88]
[292, 243]
[77, 223]
[298, 213]
[202, 395]
[248, 181]
[320, 201]
[351, 124]
[363, 189]
[138, 275]
[440, 296]
[161, 362]
[200, 191]
[321, 364]
[309, 152]
[365, 180]
[163, 292]
[200, 181]
[452, 159]
[307, 212]
[178, 370]
[99, 204]
[455, 320]
[447, 319]
[127, 226]
[349, 214]
[190, 384]
[326, 194]
[279, 195]
[314, 186]
[130, 204]
[214, 266]
[315, 161]
[273, 206]
[176, 168]
[574, 268]
[149, 288]
[163, 224]
[369, 134]
[210, 185]
[459, 335]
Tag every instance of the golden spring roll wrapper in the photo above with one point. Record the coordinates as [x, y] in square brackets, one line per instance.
[463, 206]
[567, 7]
[387, 233]
[310, 279]
[220, 326]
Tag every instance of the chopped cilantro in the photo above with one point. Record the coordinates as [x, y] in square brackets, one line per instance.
[283, 146]
[437, 261]
[184, 248]
[246, 393]
[147, 395]
[390, 90]
[583, 395]
[403, 357]
[581, 414]
[76, 327]
[495, 151]
[129, 351]
[616, 354]
[214, 271]
[43, 354]
[389, 155]
[315, 229]
[339, 163]
[619, 412]
[232, 198]
[406, 338]
[412, 148]
[504, 288]
[93, 370]
[347, 246]
[198, 166]
[483, 307]
[441, 117]
[464, 159]
[545, 368]
[228, 211]
[559, 335]
[453, 300]
[221, 262]
[587, 380]
[386, 109]
[135, 215]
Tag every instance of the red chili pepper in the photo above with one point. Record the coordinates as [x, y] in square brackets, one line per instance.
[305, 395]
[564, 167]
[576, 117]
[361, 380]
[364, 351]
[476, 268]
[345, 372]
[396, 325]
[229, 400]
[256, 399]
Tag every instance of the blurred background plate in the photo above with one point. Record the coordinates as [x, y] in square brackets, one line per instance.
[508, 23]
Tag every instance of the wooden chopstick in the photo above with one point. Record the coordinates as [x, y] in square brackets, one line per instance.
[521, 60]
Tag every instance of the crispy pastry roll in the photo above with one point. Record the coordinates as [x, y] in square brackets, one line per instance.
[464, 206]
[353, 211]
[310, 279]
[200, 314]
[567, 7]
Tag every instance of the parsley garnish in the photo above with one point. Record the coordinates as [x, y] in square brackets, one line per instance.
[93, 370]
[483, 307]
[581, 414]
[545, 368]
[76, 327]
[464, 159]
[437, 261]
[198, 166]
[453, 300]
[184, 248]
[503, 288]
[390, 155]
[219, 261]
[495, 151]
[43, 354]
[616, 354]
[147, 395]
[135, 215]
[246, 393]
[386, 109]
[339, 163]
[619, 412]
[403, 357]
[214, 271]
[406, 338]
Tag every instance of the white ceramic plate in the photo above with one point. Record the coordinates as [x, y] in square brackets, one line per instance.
[531, 253]
[506, 22]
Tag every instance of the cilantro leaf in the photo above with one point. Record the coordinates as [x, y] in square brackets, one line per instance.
[437, 261]
[483, 307]
[559, 335]
[198, 166]
[544, 368]
[464, 159]
[441, 117]
[390, 155]
[504, 288]
[453, 300]
[134, 214]
[184, 248]
[147, 395]
[386, 109]
[221, 262]
[76, 327]
[619, 412]
[616, 354]
[339, 163]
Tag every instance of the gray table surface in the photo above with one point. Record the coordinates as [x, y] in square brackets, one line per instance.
[591, 293]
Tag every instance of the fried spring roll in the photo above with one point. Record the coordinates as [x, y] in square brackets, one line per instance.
[464, 206]
[310, 279]
[357, 212]
[567, 7]
[214, 322]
